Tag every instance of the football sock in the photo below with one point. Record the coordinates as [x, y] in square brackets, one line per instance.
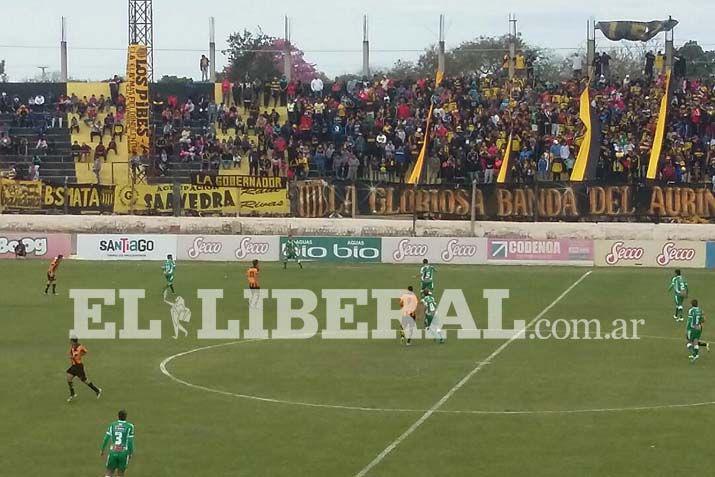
[47, 287]
[54, 287]
[696, 350]
[69, 384]
[285, 265]
[93, 387]
[172, 288]
[300, 264]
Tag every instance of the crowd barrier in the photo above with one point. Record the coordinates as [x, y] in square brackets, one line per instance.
[393, 250]
[232, 195]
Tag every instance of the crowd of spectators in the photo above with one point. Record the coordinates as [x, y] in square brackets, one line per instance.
[375, 128]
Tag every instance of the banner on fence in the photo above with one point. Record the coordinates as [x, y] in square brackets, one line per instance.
[125, 247]
[37, 245]
[543, 201]
[466, 250]
[649, 253]
[20, 195]
[264, 202]
[229, 247]
[159, 199]
[79, 198]
[337, 249]
[137, 97]
[531, 251]
[213, 179]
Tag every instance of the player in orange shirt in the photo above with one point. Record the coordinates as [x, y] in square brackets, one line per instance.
[52, 274]
[252, 276]
[76, 369]
[408, 304]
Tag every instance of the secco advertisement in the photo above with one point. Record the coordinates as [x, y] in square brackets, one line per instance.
[465, 250]
[550, 251]
[37, 245]
[228, 248]
[650, 253]
[125, 246]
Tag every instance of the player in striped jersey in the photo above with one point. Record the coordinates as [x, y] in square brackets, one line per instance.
[252, 276]
[76, 369]
[426, 276]
[430, 305]
[52, 274]
[679, 287]
[694, 329]
[168, 268]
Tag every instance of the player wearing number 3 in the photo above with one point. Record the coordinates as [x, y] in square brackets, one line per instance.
[120, 440]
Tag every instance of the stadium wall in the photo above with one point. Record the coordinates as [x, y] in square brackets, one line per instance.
[361, 240]
[354, 227]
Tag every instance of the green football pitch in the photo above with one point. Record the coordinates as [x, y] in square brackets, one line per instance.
[317, 407]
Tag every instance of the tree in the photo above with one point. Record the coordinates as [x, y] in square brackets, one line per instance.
[250, 55]
[699, 63]
[260, 56]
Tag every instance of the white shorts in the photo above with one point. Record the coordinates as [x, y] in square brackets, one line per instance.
[408, 322]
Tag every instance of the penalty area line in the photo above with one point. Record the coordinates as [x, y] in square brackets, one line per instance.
[436, 407]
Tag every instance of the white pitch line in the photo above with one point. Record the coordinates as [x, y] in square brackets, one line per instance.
[463, 381]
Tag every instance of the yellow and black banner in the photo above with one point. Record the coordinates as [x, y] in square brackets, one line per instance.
[657, 147]
[236, 180]
[137, 94]
[635, 31]
[78, 198]
[194, 199]
[504, 171]
[584, 168]
[416, 173]
[20, 195]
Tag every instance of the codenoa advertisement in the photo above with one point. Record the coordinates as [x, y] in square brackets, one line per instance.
[465, 250]
[336, 249]
[650, 253]
[125, 246]
[547, 252]
[228, 248]
[37, 245]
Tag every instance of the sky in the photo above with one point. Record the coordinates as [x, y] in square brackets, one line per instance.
[330, 32]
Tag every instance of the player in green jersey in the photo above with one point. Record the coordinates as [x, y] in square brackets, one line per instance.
[426, 276]
[120, 440]
[680, 292]
[168, 268]
[430, 305]
[694, 329]
[290, 252]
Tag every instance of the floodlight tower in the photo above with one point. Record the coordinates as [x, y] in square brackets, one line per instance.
[141, 29]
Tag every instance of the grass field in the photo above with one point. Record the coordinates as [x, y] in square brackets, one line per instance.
[537, 408]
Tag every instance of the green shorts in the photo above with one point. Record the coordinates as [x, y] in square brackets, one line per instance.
[692, 335]
[428, 285]
[117, 461]
[169, 279]
[678, 300]
[428, 319]
[290, 256]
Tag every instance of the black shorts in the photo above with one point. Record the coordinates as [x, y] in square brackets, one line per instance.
[77, 370]
[50, 277]
[254, 286]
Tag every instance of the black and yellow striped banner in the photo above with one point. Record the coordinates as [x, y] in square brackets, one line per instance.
[505, 164]
[587, 159]
[657, 147]
[419, 164]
